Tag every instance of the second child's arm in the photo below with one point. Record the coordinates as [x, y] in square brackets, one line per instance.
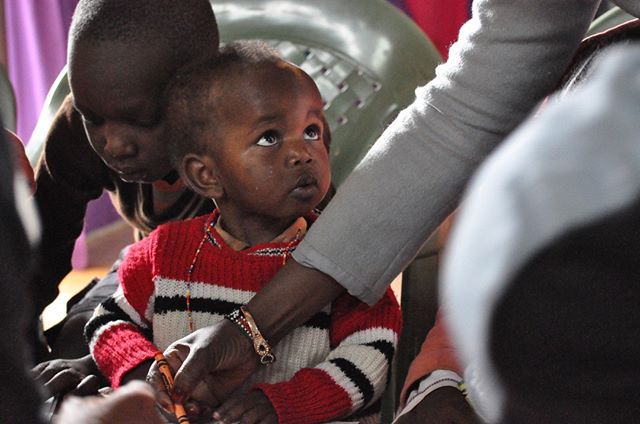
[119, 333]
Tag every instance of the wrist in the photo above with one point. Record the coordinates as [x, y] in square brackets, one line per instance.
[244, 321]
[306, 291]
[139, 372]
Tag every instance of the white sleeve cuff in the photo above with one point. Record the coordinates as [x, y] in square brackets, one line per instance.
[435, 380]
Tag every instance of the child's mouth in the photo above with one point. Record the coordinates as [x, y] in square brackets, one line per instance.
[305, 187]
[305, 181]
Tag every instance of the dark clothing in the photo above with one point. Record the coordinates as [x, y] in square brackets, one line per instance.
[19, 398]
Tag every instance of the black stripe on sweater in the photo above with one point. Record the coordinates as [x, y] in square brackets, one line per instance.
[114, 313]
[385, 347]
[164, 304]
[358, 377]
[321, 320]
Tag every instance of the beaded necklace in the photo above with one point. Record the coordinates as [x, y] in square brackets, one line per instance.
[192, 267]
[207, 235]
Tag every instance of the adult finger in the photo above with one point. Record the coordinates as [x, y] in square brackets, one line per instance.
[162, 396]
[190, 357]
[221, 355]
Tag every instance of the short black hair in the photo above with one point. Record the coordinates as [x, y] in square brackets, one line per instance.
[192, 95]
[187, 28]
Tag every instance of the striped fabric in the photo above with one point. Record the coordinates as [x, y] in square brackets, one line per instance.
[333, 366]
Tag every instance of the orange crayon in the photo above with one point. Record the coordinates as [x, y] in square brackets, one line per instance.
[167, 379]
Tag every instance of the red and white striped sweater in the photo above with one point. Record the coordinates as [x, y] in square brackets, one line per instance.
[333, 366]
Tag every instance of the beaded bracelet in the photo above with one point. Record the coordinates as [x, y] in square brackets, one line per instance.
[243, 319]
[238, 319]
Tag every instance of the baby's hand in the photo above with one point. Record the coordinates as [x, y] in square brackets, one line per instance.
[252, 407]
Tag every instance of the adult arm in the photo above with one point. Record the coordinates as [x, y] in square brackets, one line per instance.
[68, 175]
[508, 57]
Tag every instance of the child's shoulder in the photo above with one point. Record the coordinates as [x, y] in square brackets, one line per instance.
[181, 226]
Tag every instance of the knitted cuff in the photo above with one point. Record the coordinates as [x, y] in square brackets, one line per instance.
[312, 401]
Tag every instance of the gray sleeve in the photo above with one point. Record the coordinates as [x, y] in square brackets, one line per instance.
[508, 57]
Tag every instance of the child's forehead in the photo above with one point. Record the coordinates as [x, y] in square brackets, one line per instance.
[137, 53]
[121, 64]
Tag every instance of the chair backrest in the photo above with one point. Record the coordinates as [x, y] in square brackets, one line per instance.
[7, 101]
[613, 17]
[366, 57]
[58, 91]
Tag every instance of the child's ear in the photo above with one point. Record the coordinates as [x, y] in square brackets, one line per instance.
[200, 174]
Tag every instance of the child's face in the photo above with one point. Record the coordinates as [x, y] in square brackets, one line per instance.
[116, 88]
[273, 162]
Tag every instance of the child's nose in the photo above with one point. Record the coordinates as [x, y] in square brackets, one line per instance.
[299, 153]
[117, 144]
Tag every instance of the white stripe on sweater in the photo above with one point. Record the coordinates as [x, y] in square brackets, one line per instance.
[169, 287]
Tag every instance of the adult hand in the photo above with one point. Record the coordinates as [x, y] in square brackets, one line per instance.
[249, 408]
[445, 405]
[218, 358]
[133, 403]
[79, 377]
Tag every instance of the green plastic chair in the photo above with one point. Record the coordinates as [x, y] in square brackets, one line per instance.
[7, 101]
[58, 91]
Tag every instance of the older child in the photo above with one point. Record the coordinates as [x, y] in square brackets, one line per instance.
[252, 137]
[106, 135]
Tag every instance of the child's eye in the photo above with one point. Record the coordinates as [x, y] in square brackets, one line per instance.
[268, 139]
[312, 132]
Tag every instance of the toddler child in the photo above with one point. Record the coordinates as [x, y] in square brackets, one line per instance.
[248, 131]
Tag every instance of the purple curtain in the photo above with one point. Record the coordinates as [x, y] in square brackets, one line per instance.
[36, 34]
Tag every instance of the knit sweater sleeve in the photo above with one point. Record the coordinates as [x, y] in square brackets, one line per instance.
[354, 374]
[508, 56]
[119, 333]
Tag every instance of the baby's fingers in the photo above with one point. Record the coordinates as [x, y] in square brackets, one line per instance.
[230, 410]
